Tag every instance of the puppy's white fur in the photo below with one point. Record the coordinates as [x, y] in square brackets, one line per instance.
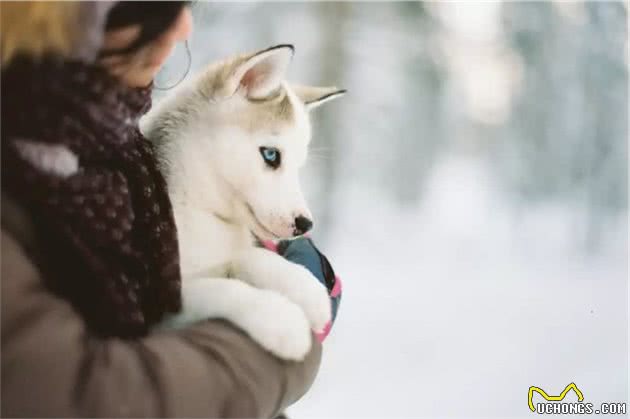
[208, 133]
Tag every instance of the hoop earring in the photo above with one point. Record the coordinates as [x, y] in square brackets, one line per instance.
[189, 55]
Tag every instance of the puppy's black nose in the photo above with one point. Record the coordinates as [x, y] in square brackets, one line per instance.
[302, 225]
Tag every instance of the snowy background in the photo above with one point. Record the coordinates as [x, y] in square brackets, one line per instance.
[471, 190]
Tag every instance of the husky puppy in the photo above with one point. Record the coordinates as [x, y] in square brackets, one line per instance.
[230, 143]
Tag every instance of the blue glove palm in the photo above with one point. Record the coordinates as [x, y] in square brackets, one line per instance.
[303, 252]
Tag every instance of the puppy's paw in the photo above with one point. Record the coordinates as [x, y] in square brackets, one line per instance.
[278, 325]
[311, 295]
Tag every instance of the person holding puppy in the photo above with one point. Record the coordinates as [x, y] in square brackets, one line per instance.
[89, 248]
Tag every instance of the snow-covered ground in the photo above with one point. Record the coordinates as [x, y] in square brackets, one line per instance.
[455, 308]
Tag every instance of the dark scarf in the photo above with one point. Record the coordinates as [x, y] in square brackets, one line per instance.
[110, 243]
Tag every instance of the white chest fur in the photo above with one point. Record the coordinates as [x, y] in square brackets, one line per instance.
[208, 245]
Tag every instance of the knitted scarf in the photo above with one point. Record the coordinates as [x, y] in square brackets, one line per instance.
[72, 155]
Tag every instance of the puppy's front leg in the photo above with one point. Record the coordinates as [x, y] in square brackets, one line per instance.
[269, 318]
[265, 269]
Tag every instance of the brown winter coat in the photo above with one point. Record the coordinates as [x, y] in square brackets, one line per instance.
[52, 365]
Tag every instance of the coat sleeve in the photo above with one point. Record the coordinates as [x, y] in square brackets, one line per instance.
[53, 366]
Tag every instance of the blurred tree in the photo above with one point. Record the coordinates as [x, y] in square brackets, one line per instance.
[332, 17]
[566, 138]
[417, 129]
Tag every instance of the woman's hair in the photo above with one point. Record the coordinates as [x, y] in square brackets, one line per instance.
[154, 18]
[37, 27]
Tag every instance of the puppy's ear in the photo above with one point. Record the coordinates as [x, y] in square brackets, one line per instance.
[260, 74]
[313, 97]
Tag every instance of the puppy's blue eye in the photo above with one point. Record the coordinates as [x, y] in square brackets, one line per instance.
[271, 156]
